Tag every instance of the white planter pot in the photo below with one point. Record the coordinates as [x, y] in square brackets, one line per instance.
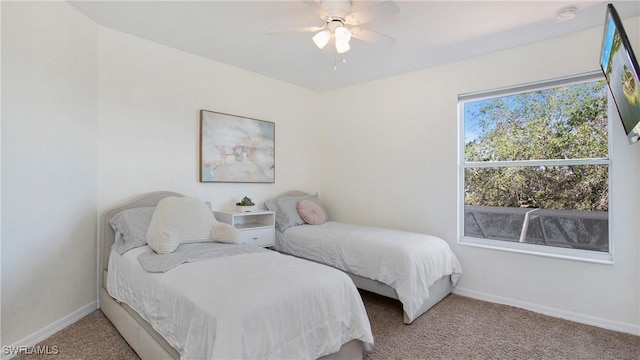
[245, 208]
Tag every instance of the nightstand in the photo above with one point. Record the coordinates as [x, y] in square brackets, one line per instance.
[256, 227]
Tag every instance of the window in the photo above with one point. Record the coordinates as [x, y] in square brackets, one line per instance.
[534, 174]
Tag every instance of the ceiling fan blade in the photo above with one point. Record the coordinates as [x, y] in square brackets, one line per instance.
[385, 8]
[291, 31]
[372, 37]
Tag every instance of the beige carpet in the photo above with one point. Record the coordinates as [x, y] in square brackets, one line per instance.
[456, 328]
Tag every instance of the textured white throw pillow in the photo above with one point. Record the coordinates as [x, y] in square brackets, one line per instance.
[179, 220]
[225, 233]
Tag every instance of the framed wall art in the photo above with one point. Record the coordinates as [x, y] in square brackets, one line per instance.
[236, 149]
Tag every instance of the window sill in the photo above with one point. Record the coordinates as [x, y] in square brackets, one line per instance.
[539, 250]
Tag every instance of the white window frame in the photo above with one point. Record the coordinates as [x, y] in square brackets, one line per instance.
[525, 248]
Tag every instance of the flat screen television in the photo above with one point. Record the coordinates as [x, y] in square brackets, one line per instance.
[620, 68]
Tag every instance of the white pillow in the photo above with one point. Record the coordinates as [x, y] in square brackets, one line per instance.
[225, 233]
[179, 220]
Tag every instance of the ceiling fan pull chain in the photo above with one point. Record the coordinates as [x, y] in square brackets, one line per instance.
[335, 61]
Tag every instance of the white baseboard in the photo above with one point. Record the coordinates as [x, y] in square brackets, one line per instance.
[50, 329]
[563, 314]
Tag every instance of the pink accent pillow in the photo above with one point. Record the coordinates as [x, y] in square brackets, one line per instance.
[311, 212]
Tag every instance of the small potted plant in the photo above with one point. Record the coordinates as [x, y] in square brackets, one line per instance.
[245, 205]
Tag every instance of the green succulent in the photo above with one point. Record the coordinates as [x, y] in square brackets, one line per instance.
[246, 201]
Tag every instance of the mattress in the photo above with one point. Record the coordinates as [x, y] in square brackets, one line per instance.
[407, 262]
[259, 305]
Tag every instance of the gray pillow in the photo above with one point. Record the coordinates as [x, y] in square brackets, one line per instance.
[132, 224]
[286, 209]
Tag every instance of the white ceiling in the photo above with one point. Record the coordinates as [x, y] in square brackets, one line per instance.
[428, 33]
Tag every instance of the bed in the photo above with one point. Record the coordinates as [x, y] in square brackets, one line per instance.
[248, 305]
[419, 270]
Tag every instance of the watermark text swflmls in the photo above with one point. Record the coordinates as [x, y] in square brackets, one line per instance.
[30, 350]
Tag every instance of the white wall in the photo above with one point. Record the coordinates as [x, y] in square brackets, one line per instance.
[49, 153]
[396, 165]
[150, 96]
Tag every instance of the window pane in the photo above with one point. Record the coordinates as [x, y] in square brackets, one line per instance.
[565, 206]
[584, 230]
[566, 122]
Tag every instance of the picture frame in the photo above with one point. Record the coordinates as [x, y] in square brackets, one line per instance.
[236, 149]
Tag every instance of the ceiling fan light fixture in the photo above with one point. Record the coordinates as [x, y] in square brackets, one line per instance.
[321, 38]
[342, 46]
[343, 34]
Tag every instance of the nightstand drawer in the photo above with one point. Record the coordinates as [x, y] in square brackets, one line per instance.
[258, 237]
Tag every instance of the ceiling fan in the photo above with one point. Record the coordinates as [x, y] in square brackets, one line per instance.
[337, 14]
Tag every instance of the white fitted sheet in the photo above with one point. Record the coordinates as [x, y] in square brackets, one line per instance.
[261, 305]
[406, 261]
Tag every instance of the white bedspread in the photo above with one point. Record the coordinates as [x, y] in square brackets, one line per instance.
[262, 305]
[408, 262]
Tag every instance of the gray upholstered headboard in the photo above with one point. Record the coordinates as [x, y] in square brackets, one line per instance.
[107, 235]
